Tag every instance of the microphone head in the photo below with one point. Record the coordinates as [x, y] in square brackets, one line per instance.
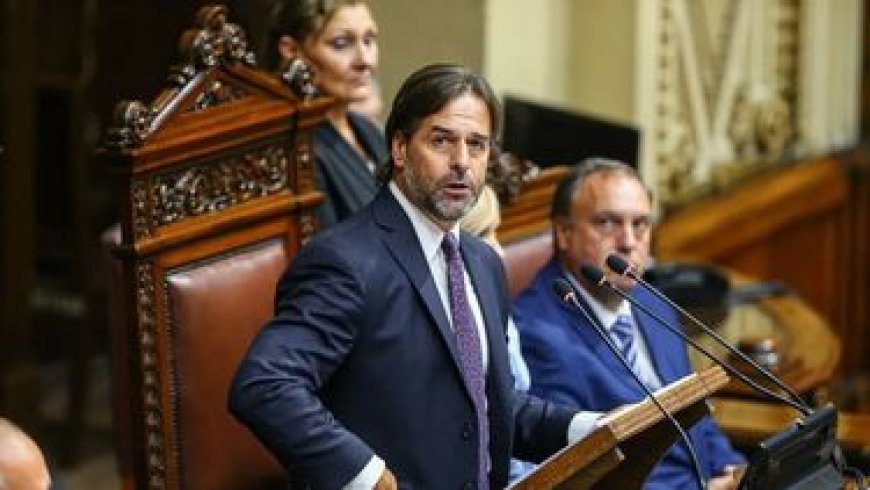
[592, 273]
[617, 264]
[563, 288]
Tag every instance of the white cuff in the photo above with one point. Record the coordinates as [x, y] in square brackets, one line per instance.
[581, 425]
[369, 476]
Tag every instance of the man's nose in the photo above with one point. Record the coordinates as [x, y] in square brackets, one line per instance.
[460, 156]
[626, 236]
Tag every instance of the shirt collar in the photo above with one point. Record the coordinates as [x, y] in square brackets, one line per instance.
[605, 315]
[428, 233]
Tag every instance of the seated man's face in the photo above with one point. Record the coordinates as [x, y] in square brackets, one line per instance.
[610, 212]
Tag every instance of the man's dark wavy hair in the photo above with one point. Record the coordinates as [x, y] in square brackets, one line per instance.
[427, 91]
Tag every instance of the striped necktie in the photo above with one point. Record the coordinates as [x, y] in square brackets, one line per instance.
[470, 353]
[623, 333]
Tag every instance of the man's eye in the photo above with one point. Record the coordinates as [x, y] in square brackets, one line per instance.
[641, 224]
[477, 145]
[440, 141]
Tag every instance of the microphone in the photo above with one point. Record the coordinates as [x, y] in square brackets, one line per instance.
[565, 291]
[800, 436]
[624, 268]
[596, 276]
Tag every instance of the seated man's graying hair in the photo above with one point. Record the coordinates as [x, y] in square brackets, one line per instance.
[561, 208]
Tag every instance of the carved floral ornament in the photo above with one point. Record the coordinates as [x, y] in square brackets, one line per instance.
[151, 375]
[214, 40]
[211, 42]
[172, 197]
[725, 88]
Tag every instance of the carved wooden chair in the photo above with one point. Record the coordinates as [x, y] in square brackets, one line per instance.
[216, 175]
[525, 231]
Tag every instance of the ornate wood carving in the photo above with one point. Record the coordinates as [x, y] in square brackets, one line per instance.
[151, 375]
[506, 176]
[132, 123]
[304, 163]
[174, 196]
[212, 41]
[216, 94]
[208, 188]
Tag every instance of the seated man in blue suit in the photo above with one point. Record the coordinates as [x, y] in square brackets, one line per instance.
[604, 208]
[385, 365]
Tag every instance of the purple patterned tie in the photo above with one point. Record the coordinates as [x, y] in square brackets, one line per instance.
[470, 354]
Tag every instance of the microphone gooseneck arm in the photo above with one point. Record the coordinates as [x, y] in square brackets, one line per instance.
[623, 267]
[565, 292]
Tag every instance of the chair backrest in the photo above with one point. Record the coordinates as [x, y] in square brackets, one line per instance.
[524, 258]
[525, 231]
[217, 178]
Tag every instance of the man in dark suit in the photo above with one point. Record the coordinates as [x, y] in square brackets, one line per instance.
[386, 364]
[603, 207]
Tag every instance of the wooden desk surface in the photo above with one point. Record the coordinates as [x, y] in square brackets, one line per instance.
[750, 421]
[810, 349]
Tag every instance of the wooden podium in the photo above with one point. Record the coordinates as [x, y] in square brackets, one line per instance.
[630, 440]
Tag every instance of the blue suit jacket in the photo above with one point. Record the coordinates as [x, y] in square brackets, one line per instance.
[360, 359]
[571, 365]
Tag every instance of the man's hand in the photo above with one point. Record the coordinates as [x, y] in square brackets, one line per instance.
[729, 479]
[387, 481]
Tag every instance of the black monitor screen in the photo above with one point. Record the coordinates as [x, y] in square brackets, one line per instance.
[798, 458]
[551, 136]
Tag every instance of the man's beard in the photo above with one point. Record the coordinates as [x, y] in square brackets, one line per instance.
[430, 198]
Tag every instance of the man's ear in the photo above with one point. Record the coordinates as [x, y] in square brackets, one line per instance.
[561, 230]
[398, 150]
[288, 48]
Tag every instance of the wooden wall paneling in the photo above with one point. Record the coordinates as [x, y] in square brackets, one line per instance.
[786, 224]
[857, 292]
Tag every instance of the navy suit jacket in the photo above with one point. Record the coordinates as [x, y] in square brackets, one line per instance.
[571, 365]
[360, 359]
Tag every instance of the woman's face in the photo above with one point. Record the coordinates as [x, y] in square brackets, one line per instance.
[344, 53]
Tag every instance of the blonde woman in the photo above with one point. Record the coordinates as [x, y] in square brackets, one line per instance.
[338, 40]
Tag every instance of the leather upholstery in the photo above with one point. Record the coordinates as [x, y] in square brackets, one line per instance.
[216, 307]
[524, 258]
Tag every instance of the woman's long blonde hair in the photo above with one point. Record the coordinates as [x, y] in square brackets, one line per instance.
[484, 218]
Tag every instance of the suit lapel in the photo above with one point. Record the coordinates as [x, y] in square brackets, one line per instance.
[499, 383]
[597, 344]
[659, 344]
[405, 248]
[486, 291]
